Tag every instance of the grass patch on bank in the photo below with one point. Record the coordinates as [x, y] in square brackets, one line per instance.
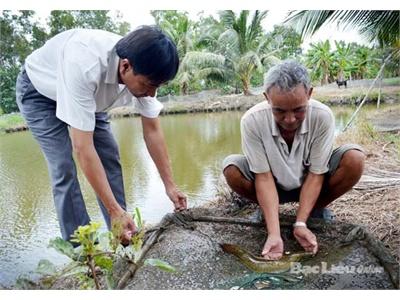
[362, 132]
[11, 121]
[351, 94]
[392, 81]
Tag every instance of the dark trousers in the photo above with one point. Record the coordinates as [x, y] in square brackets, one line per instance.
[53, 137]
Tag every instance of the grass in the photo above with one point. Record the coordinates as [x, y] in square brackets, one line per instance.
[364, 133]
[11, 121]
[392, 81]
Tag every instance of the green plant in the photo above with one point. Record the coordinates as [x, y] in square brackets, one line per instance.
[96, 253]
[11, 120]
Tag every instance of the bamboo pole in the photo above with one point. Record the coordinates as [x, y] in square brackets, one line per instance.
[366, 95]
[380, 91]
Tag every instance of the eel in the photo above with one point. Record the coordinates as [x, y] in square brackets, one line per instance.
[260, 264]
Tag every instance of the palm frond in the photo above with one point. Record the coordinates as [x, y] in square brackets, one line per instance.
[228, 43]
[212, 71]
[199, 60]
[379, 25]
[227, 17]
[255, 27]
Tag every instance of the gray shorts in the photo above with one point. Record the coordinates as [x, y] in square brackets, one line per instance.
[241, 163]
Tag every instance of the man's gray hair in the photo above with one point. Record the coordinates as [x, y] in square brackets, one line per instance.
[286, 76]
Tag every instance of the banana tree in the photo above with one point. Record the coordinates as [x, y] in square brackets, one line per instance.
[342, 57]
[319, 59]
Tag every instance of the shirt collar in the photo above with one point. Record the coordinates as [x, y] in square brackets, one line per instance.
[112, 69]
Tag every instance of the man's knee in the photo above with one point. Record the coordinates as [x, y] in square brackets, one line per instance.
[231, 173]
[353, 161]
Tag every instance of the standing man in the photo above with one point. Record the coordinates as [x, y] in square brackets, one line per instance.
[287, 143]
[64, 91]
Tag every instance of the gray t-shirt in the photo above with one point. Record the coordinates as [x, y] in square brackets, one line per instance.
[266, 150]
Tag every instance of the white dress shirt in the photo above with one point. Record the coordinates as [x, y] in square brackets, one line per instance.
[78, 68]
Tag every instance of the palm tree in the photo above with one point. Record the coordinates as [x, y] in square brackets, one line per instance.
[380, 26]
[244, 45]
[320, 59]
[178, 26]
[196, 64]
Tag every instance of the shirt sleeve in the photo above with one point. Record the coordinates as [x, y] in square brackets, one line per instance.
[78, 75]
[148, 107]
[253, 147]
[322, 146]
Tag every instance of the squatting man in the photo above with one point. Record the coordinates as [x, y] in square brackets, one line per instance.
[287, 142]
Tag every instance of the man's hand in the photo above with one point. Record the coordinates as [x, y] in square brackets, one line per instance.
[306, 239]
[178, 198]
[123, 226]
[273, 248]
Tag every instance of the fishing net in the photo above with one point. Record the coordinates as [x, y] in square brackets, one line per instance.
[349, 256]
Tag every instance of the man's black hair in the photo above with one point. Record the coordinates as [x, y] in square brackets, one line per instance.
[151, 53]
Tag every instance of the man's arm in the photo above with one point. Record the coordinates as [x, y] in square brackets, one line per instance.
[268, 200]
[156, 145]
[93, 169]
[308, 197]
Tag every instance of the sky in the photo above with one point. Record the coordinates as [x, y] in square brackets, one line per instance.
[141, 16]
[138, 12]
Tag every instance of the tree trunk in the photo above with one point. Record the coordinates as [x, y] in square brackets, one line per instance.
[326, 76]
[246, 84]
[184, 89]
[326, 79]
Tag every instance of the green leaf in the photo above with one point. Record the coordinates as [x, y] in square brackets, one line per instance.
[137, 240]
[160, 264]
[46, 267]
[63, 247]
[104, 262]
[138, 218]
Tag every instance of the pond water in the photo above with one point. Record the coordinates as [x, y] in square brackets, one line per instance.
[197, 144]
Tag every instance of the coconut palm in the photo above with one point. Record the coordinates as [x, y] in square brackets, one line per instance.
[178, 26]
[244, 45]
[196, 64]
[380, 26]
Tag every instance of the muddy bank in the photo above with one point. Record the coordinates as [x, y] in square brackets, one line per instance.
[211, 102]
[192, 244]
[201, 263]
[241, 103]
